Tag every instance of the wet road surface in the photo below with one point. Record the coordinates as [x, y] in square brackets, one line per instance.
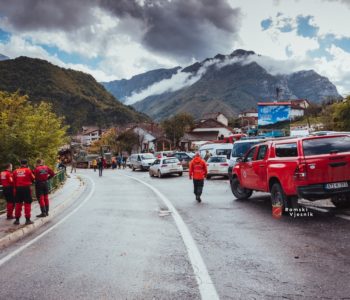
[122, 244]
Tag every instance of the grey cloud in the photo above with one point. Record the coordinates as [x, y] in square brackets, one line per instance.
[179, 28]
[183, 28]
[47, 14]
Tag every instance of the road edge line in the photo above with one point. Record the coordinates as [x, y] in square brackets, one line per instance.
[205, 284]
[31, 242]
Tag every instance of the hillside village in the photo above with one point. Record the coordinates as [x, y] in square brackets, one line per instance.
[211, 127]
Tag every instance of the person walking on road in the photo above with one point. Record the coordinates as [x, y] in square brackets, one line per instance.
[197, 172]
[94, 164]
[8, 190]
[100, 166]
[23, 178]
[42, 174]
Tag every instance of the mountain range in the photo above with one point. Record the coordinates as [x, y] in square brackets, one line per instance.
[226, 83]
[75, 95]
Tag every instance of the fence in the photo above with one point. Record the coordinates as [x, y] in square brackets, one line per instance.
[53, 183]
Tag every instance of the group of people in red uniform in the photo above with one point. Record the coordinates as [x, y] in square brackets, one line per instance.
[17, 189]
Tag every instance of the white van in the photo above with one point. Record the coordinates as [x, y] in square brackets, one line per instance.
[216, 149]
[141, 161]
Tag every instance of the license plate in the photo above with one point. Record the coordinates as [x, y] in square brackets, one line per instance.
[336, 185]
[172, 170]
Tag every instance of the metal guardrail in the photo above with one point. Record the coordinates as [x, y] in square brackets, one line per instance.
[53, 183]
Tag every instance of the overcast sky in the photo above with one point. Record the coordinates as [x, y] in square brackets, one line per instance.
[115, 39]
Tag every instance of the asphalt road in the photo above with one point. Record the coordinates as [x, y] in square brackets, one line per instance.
[121, 243]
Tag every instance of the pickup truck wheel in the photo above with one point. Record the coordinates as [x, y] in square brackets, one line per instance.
[238, 191]
[341, 201]
[278, 197]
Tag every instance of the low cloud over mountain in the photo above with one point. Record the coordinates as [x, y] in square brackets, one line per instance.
[229, 83]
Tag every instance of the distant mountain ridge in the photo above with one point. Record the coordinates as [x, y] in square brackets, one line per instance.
[73, 94]
[231, 83]
[3, 57]
[124, 88]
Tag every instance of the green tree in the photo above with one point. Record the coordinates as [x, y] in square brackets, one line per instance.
[29, 131]
[127, 140]
[176, 126]
[340, 116]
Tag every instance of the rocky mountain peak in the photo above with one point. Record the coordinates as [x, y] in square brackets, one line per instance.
[241, 52]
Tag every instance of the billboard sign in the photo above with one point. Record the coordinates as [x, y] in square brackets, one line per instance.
[272, 116]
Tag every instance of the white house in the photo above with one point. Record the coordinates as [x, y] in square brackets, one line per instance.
[146, 140]
[89, 135]
[218, 116]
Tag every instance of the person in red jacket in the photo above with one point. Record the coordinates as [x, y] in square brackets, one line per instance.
[23, 179]
[8, 190]
[42, 173]
[198, 171]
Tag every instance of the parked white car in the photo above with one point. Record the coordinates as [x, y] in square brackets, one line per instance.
[165, 166]
[217, 166]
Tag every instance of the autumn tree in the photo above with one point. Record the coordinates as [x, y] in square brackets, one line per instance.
[29, 131]
[176, 126]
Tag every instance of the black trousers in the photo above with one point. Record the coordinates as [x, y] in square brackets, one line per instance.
[41, 188]
[100, 171]
[8, 194]
[198, 186]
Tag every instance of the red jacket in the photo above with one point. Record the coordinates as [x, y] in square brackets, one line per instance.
[43, 173]
[23, 177]
[6, 178]
[198, 168]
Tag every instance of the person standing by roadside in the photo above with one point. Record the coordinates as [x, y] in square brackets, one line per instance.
[207, 155]
[42, 174]
[100, 166]
[23, 179]
[124, 161]
[74, 165]
[119, 162]
[94, 164]
[8, 190]
[198, 171]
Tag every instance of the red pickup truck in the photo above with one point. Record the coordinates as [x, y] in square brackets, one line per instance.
[312, 168]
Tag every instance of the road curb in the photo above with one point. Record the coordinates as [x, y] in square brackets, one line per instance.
[24, 230]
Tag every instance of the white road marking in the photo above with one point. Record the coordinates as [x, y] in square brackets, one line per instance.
[31, 242]
[343, 217]
[205, 284]
[323, 210]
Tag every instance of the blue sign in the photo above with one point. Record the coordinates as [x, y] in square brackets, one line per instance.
[274, 116]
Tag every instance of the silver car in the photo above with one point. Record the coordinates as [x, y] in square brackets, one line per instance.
[165, 166]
